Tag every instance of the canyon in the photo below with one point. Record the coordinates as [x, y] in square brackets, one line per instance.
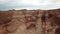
[30, 22]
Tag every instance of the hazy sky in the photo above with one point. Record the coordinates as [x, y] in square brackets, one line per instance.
[29, 4]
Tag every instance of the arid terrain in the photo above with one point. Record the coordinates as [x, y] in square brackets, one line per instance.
[30, 22]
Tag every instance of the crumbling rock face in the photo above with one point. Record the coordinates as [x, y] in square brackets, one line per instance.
[30, 22]
[55, 20]
[5, 18]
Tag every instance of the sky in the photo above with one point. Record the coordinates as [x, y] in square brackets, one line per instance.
[29, 4]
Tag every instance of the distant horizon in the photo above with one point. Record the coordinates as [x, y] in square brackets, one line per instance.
[28, 9]
[31, 9]
[29, 4]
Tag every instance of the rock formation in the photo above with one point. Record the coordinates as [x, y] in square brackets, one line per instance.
[30, 22]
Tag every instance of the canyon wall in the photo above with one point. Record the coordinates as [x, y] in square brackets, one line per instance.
[30, 22]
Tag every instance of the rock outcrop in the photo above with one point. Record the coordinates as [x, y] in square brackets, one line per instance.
[30, 22]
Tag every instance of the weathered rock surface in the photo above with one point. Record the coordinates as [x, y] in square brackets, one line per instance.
[30, 22]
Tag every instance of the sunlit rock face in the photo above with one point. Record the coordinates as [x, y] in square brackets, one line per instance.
[30, 22]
